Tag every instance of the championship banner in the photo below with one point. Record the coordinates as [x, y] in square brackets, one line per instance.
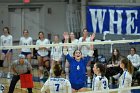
[114, 20]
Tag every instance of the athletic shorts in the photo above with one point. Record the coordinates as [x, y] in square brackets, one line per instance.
[5, 51]
[41, 56]
[25, 53]
[78, 86]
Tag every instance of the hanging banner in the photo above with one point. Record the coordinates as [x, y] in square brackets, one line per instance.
[114, 20]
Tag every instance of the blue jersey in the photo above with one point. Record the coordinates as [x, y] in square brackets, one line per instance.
[77, 69]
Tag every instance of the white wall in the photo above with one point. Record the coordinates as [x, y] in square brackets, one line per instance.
[3, 17]
[56, 21]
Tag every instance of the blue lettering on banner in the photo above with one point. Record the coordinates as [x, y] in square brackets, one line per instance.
[116, 20]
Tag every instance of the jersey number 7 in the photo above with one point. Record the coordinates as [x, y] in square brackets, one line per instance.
[57, 87]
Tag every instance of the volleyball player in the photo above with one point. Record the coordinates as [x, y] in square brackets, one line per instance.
[6, 40]
[78, 64]
[125, 79]
[56, 84]
[56, 52]
[100, 82]
[42, 53]
[26, 40]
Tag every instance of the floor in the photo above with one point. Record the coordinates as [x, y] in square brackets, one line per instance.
[37, 83]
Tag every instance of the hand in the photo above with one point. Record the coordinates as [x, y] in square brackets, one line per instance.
[66, 35]
[92, 37]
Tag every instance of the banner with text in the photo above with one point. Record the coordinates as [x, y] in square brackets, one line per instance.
[114, 20]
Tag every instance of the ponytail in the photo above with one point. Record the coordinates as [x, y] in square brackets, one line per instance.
[130, 67]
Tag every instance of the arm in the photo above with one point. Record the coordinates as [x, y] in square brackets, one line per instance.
[45, 87]
[1, 41]
[31, 43]
[68, 87]
[13, 67]
[96, 84]
[29, 67]
[127, 81]
[11, 43]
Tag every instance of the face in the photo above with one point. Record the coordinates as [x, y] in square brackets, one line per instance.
[41, 35]
[115, 52]
[121, 65]
[85, 32]
[21, 60]
[56, 38]
[5, 31]
[78, 55]
[95, 69]
[72, 35]
[132, 51]
[25, 33]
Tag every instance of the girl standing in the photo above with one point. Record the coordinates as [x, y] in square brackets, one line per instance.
[100, 82]
[125, 79]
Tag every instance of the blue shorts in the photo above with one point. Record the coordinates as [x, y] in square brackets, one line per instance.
[25, 53]
[78, 86]
[6, 51]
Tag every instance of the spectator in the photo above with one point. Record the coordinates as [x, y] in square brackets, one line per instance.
[6, 40]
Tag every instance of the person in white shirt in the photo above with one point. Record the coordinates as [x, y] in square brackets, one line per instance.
[56, 52]
[84, 38]
[134, 58]
[26, 40]
[42, 53]
[100, 82]
[125, 79]
[56, 84]
[6, 40]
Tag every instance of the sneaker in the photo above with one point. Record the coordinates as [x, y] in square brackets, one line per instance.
[116, 76]
[8, 75]
[41, 77]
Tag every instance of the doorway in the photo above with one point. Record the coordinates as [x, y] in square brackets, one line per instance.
[24, 18]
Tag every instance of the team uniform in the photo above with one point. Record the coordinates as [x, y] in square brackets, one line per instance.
[42, 52]
[26, 41]
[135, 60]
[100, 83]
[84, 48]
[57, 85]
[6, 41]
[77, 74]
[125, 81]
[56, 52]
